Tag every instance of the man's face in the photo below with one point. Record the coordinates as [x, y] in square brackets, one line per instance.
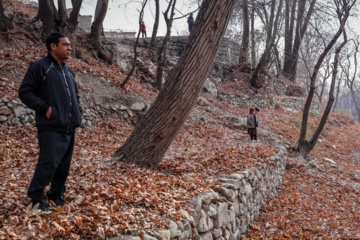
[256, 112]
[63, 50]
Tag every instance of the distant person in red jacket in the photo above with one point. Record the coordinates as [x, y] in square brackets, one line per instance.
[143, 29]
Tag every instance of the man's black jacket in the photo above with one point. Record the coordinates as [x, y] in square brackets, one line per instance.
[47, 84]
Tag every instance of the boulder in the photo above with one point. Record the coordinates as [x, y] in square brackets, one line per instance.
[210, 88]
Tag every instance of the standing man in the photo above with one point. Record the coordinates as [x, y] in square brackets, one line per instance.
[190, 21]
[49, 88]
[143, 29]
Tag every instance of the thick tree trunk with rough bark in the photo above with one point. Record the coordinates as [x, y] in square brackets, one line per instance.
[253, 44]
[244, 50]
[255, 80]
[156, 24]
[292, 49]
[5, 23]
[46, 15]
[157, 129]
[303, 146]
[62, 15]
[96, 27]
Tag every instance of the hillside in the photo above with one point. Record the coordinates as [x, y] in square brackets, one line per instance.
[316, 199]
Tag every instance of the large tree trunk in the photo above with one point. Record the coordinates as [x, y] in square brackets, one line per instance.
[62, 14]
[46, 15]
[163, 49]
[73, 21]
[289, 29]
[292, 51]
[156, 24]
[255, 80]
[253, 44]
[5, 23]
[304, 146]
[96, 27]
[158, 127]
[244, 50]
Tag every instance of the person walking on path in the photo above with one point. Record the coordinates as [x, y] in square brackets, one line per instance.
[143, 29]
[49, 88]
[190, 21]
[250, 124]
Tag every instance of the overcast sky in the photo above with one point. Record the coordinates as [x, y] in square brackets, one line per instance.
[124, 15]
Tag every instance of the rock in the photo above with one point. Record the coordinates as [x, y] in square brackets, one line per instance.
[221, 216]
[4, 100]
[206, 198]
[329, 160]
[333, 165]
[138, 106]
[210, 88]
[216, 232]
[314, 112]
[340, 168]
[205, 224]
[229, 194]
[2, 118]
[313, 163]
[19, 111]
[206, 236]
[133, 232]
[187, 217]
[212, 211]
[148, 237]
[4, 110]
[173, 228]
[236, 176]
[184, 235]
[310, 172]
[163, 235]
[248, 190]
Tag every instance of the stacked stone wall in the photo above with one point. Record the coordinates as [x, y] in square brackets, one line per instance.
[14, 112]
[228, 51]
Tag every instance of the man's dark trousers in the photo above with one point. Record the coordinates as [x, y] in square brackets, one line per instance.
[53, 165]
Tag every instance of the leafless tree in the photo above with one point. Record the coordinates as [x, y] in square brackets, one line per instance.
[304, 146]
[162, 51]
[156, 24]
[351, 79]
[141, 16]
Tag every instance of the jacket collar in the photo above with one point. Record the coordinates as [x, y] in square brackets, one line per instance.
[53, 60]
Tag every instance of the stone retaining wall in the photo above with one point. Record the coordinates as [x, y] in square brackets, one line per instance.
[14, 112]
[226, 212]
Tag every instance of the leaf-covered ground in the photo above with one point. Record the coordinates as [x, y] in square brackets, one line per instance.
[106, 198]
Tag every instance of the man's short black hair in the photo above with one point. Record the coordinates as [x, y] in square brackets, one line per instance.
[53, 38]
[256, 109]
[251, 109]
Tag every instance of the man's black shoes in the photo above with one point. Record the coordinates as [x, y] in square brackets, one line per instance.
[59, 201]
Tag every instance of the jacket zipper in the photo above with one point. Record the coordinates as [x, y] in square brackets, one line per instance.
[67, 86]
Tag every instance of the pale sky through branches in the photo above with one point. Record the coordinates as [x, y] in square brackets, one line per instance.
[124, 15]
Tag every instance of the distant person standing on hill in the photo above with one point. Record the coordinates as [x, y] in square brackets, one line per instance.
[49, 88]
[251, 125]
[143, 29]
[190, 21]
